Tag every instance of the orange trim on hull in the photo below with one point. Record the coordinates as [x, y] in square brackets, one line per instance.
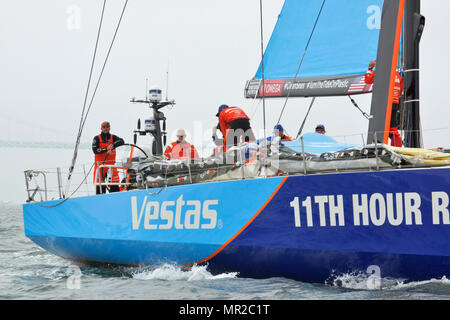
[398, 33]
[242, 229]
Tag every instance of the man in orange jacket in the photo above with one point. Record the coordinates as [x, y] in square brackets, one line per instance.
[369, 77]
[103, 147]
[234, 125]
[181, 149]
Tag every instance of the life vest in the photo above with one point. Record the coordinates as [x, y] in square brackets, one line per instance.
[369, 77]
[398, 88]
[183, 150]
[110, 160]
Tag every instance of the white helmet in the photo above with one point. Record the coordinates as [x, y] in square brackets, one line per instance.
[155, 94]
[181, 132]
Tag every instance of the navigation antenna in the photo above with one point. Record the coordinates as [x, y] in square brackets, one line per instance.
[167, 82]
[152, 125]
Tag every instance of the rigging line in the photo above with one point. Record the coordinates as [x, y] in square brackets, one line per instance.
[304, 120]
[262, 67]
[88, 87]
[255, 106]
[92, 63]
[303, 57]
[106, 60]
[96, 87]
[405, 77]
[368, 117]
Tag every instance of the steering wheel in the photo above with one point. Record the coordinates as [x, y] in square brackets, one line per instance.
[106, 156]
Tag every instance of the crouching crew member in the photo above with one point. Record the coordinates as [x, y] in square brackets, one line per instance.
[234, 125]
[181, 149]
[103, 147]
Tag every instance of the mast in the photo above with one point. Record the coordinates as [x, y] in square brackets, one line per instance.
[397, 14]
[387, 58]
[414, 26]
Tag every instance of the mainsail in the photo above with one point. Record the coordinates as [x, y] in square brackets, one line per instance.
[319, 51]
[323, 48]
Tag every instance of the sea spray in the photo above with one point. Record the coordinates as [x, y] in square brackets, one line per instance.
[174, 273]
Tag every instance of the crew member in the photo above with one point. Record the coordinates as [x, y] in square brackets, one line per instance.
[394, 135]
[278, 129]
[103, 147]
[181, 149]
[396, 138]
[234, 125]
[320, 128]
[369, 77]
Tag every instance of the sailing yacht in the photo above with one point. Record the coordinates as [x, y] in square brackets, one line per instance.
[303, 209]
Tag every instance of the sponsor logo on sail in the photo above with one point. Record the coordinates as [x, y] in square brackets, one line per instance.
[272, 88]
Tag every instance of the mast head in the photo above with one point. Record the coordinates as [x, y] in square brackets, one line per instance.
[155, 95]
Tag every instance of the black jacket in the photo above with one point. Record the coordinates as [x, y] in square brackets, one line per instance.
[106, 137]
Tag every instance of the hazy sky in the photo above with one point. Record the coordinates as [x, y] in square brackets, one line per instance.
[210, 49]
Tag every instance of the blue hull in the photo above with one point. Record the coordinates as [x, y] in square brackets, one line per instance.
[301, 227]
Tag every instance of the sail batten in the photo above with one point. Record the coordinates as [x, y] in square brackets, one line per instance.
[342, 44]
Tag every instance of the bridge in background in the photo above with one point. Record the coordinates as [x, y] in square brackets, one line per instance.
[17, 132]
[42, 144]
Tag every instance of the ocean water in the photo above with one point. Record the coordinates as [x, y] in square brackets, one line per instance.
[29, 272]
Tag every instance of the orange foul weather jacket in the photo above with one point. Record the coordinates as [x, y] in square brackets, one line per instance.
[226, 116]
[110, 160]
[184, 150]
[369, 77]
